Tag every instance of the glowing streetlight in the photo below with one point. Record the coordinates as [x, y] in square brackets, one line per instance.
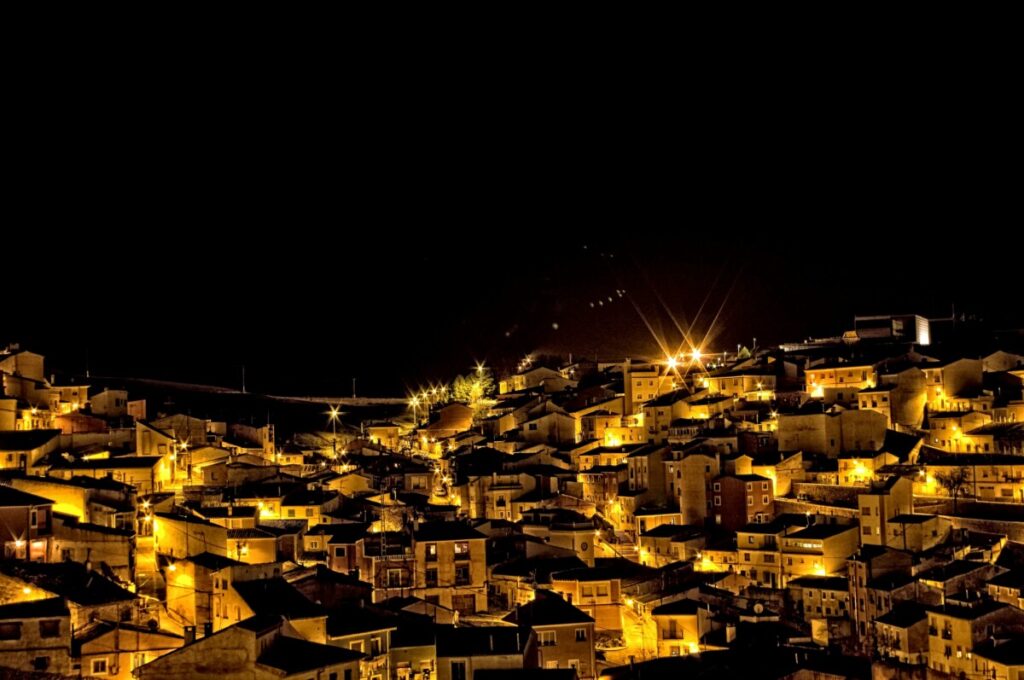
[333, 415]
[415, 404]
[697, 354]
[672, 363]
[172, 567]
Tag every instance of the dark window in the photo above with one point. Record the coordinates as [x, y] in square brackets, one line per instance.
[348, 674]
[458, 670]
[431, 581]
[49, 629]
[462, 576]
[10, 631]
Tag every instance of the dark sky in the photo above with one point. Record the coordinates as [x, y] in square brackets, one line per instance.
[400, 245]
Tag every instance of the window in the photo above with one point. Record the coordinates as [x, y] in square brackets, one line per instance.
[546, 638]
[533, 427]
[375, 646]
[33, 518]
[462, 550]
[431, 550]
[602, 590]
[49, 629]
[99, 666]
[718, 500]
[348, 674]
[718, 487]
[339, 551]
[764, 500]
[462, 577]
[764, 486]
[587, 591]
[291, 512]
[356, 646]
[10, 631]
[865, 512]
[750, 500]
[746, 557]
[431, 578]
[581, 635]
[750, 539]
[394, 578]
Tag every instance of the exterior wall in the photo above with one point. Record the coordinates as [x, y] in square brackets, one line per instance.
[121, 651]
[180, 539]
[906, 645]
[228, 606]
[819, 603]
[375, 644]
[448, 591]
[812, 433]
[411, 663]
[80, 543]
[567, 650]
[110, 403]
[695, 499]
[817, 556]
[599, 599]
[24, 460]
[959, 636]
[24, 539]
[476, 663]
[680, 634]
[21, 653]
[252, 550]
[737, 502]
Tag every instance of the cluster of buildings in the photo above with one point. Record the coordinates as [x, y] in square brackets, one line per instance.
[834, 508]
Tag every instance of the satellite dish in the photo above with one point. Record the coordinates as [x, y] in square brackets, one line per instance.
[759, 608]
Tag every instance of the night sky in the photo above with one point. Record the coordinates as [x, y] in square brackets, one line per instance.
[400, 253]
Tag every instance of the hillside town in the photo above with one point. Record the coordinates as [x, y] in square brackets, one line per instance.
[840, 507]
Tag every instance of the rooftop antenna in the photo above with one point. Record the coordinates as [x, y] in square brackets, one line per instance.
[243, 378]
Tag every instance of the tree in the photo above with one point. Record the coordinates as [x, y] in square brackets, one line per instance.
[953, 482]
[473, 387]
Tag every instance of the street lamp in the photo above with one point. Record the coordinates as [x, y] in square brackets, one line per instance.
[415, 403]
[333, 416]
